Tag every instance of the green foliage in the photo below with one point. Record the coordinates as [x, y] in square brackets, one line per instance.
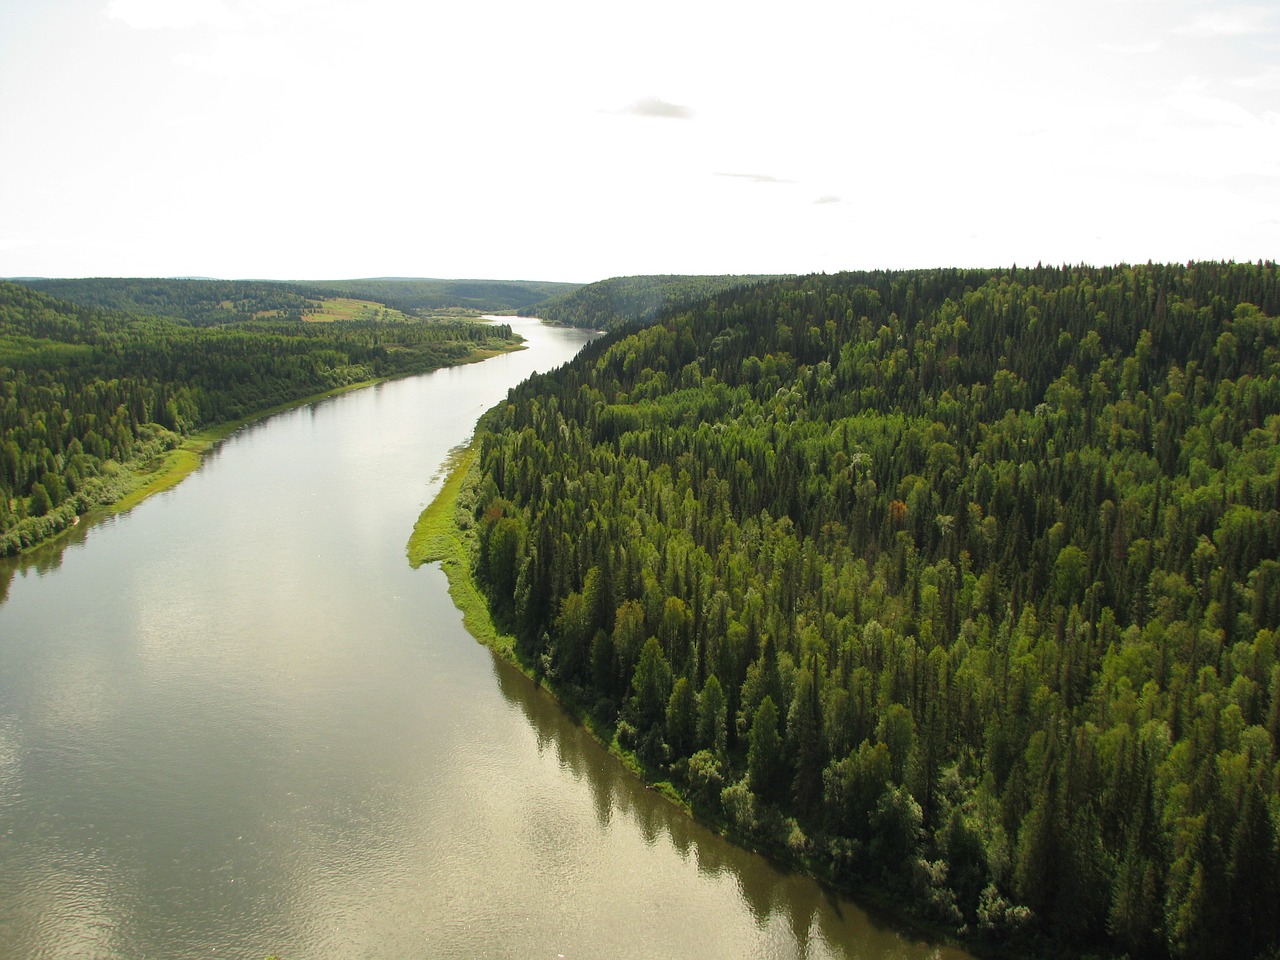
[84, 390]
[651, 688]
[206, 302]
[712, 731]
[989, 559]
[765, 763]
[197, 302]
[681, 717]
[614, 303]
[705, 776]
[422, 296]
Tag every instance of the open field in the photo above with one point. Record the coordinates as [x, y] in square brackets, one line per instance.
[348, 308]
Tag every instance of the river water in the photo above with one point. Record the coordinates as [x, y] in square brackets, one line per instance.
[234, 722]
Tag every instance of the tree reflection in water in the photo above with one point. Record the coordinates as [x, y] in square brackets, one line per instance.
[812, 911]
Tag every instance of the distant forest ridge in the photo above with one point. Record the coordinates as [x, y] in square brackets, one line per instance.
[604, 305]
[485, 296]
[616, 302]
[208, 302]
[960, 584]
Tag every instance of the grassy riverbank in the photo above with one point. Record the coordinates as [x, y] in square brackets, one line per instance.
[99, 406]
[155, 476]
[165, 459]
[145, 478]
[445, 533]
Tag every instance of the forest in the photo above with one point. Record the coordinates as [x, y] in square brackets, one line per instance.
[209, 302]
[200, 303]
[610, 304]
[422, 297]
[85, 392]
[960, 585]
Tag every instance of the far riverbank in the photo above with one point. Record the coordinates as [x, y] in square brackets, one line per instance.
[444, 534]
[168, 458]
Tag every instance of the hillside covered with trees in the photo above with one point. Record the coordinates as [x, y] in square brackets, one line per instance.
[208, 302]
[86, 391]
[614, 303]
[199, 303]
[420, 297]
[964, 584]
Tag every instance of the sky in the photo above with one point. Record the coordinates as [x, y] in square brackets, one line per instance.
[574, 141]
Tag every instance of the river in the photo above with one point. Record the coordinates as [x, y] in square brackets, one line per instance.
[234, 722]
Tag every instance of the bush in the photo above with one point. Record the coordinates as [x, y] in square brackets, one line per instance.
[929, 882]
[740, 806]
[705, 777]
[996, 915]
[626, 735]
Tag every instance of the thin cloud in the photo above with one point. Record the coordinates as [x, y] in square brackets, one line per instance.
[654, 107]
[755, 177]
[166, 15]
[1268, 79]
[1130, 49]
[829, 198]
[1241, 21]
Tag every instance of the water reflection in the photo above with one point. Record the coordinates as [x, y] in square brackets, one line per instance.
[241, 724]
[47, 557]
[821, 921]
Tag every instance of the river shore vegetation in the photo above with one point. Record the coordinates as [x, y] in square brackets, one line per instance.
[100, 406]
[960, 584]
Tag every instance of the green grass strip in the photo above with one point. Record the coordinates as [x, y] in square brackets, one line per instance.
[439, 537]
[140, 478]
[176, 465]
[445, 534]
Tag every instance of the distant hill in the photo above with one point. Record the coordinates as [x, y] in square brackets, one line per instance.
[199, 302]
[959, 584]
[414, 295]
[609, 304]
[208, 302]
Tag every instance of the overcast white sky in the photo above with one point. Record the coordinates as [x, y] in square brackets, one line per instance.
[577, 140]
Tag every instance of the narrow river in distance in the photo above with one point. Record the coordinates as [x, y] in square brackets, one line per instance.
[234, 722]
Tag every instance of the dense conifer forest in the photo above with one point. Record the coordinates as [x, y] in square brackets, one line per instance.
[610, 304]
[199, 303]
[84, 391]
[961, 584]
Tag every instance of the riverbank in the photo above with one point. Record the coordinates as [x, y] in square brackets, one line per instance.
[444, 534]
[166, 459]
[159, 474]
[247, 673]
[183, 460]
[440, 536]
